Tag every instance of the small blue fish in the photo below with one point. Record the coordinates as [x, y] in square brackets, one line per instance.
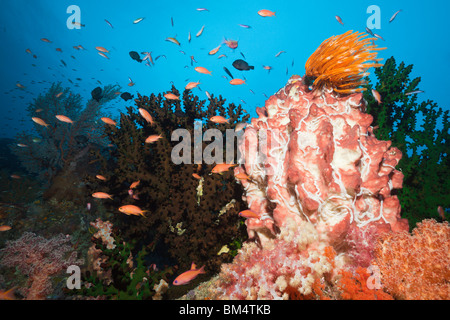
[109, 23]
[393, 17]
[414, 92]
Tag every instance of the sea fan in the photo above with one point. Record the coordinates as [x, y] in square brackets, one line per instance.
[341, 62]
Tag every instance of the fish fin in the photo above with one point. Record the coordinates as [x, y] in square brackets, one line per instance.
[142, 213]
[193, 266]
[9, 294]
[202, 270]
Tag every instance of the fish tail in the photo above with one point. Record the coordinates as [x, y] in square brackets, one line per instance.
[202, 270]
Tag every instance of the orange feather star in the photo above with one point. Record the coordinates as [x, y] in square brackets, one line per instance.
[341, 62]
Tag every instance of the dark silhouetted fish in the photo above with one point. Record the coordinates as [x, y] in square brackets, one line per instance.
[126, 96]
[135, 56]
[228, 72]
[242, 65]
[97, 94]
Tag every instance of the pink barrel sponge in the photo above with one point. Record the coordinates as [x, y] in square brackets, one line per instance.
[312, 156]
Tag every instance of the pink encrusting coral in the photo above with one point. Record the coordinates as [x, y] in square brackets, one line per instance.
[313, 157]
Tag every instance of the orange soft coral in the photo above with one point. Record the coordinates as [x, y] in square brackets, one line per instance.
[353, 286]
[342, 61]
[416, 266]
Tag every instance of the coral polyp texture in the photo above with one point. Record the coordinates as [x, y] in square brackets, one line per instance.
[416, 266]
[341, 62]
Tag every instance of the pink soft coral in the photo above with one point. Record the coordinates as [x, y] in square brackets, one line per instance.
[39, 259]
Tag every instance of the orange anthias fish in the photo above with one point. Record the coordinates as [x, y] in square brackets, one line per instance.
[144, 113]
[189, 275]
[64, 119]
[266, 13]
[214, 51]
[8, 295]
[240, 126]
[171, 96]
[236, 82]
[222, 167]
[200, 32]
[102, 195]
[191, 85]
[132, 210]
[101, 49]
[173, 40]
[219, 119]
[5, 228]
[242, 176]
[377, 96]
[103, 55]
[40, 122]
[153, 138]
[100, 177]
[339, 20]
[248, 214]
[46, 40]
[135, 184]
[108, 121]
[202, 70]
[441, 212]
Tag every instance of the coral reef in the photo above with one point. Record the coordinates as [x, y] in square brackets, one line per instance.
[286, 268]
[296, 265]
[40, 260]
[421, 130]
[58, 153]
[321, 189]
[191, 213]
[113, 273]
[416, 266]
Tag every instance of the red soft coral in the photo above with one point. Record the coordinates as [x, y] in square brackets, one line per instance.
[416, 266]
[353, 286]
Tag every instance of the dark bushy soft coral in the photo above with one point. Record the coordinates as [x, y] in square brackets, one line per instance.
[59, 154]
[189, 226]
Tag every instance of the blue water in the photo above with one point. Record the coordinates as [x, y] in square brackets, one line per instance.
[418, 36]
